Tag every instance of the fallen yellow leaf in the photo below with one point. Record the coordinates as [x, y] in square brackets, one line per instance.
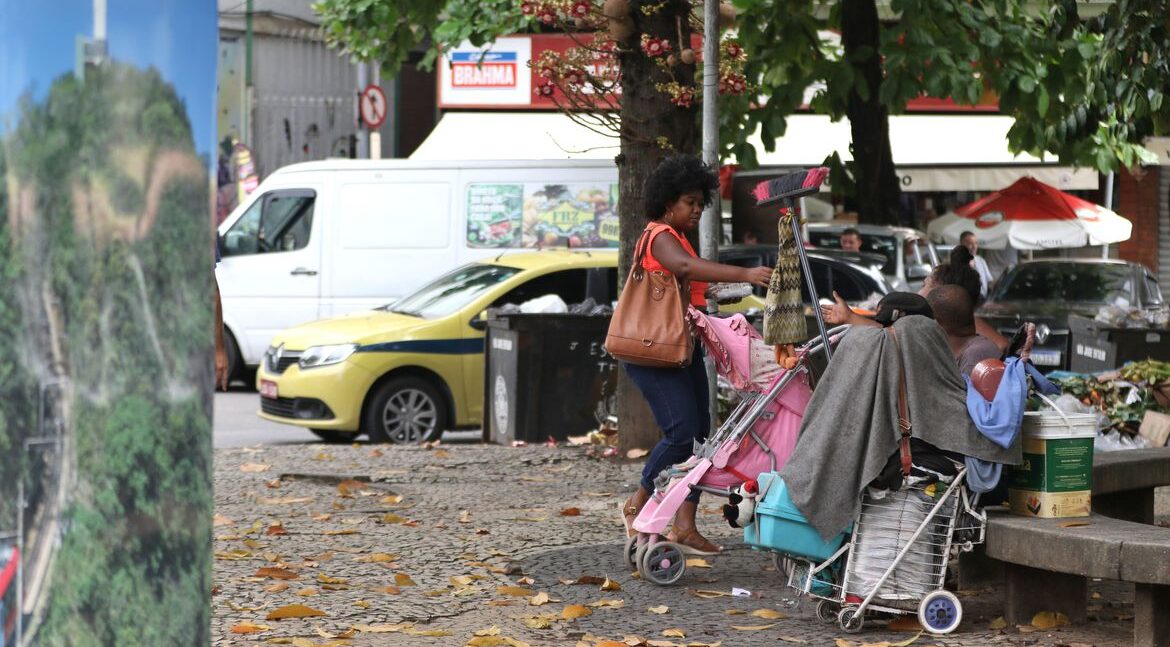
[361, 604]
[276, 573]
[615, 603]
[220, 520]
[571, 512]
[636, 453]
[435, 633]
[307, 592]
[768, 614]
[697, 562]
[1049, 620]
[248, 628]
[711, 594]
[674, 633]
[286, 500]
[402, 579]
[518, 591]
[753, 627]
[391, 499]
[490, 631]
[254, 467]
[999, 623]
[488, 641]
[345, 531]
[276, 588]
[294, 611]
[325, 579]
[660, 609]
[376, 558]
[390, 517]
[538, 622]
[574, 611]
[610, 585]
[539, 599]
[841, 642]
[389, 590]
[907, 642]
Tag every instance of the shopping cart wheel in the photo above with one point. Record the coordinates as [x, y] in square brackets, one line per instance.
[784, 566]
[628, 553]
[827, 611]
[940, 612]
[850, 620]
[663, 563]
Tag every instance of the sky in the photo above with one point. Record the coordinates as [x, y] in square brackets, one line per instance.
[177, 37]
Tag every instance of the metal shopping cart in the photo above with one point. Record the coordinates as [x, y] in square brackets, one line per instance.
[893, 561]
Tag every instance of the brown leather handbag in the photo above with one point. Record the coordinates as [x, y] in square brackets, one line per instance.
[648, 327]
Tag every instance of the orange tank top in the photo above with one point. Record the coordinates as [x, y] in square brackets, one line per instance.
[651, 264]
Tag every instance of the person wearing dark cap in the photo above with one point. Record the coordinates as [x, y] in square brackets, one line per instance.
[892, 307]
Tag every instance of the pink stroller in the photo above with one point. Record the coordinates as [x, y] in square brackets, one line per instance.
[757, 437]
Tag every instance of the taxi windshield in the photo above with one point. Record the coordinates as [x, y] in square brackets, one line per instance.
[452, 291]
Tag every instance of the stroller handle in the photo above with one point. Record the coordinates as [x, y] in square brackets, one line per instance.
[817, 343]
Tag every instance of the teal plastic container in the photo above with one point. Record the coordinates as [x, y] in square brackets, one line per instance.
[784, 529]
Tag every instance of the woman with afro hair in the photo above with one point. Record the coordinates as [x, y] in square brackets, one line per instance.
[676, 193]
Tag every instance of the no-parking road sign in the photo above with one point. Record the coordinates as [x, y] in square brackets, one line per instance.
[373, 106]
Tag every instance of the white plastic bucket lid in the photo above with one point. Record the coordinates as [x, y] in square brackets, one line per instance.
[1052, 424]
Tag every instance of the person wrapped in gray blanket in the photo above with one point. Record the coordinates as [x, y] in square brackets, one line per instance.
[850, 427]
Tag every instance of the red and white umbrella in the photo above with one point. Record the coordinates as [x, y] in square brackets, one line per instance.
[1031, 215]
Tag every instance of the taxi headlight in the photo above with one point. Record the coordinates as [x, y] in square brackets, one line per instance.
[326, 355]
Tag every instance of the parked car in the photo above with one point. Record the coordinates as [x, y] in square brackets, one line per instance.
[1046, 292]
[321, 239]
[855, 276]
[412, 369]
[908, 253]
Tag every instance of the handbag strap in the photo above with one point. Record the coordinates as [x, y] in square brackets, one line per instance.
[636, 268]
[904, 425]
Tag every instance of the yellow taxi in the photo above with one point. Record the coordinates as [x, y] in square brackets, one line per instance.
[409, 370]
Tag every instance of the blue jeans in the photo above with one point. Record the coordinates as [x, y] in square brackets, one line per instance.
[679, 401]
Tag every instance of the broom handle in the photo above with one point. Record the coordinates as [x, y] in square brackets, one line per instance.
[808, 279]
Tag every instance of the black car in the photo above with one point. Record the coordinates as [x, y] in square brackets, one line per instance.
[1046, 292]
[854, 276]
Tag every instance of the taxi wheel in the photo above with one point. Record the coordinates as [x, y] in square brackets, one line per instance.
[406, 410]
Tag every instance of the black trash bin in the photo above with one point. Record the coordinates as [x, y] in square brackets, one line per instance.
[546, 375]
[1097, 347]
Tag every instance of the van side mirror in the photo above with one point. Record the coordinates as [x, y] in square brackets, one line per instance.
[479, 321]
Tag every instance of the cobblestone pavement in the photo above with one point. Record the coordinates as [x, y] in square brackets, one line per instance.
[415, 553]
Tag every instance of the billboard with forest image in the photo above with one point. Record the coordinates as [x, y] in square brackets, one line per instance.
[106, 264]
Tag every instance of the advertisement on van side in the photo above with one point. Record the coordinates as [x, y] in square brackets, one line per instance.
[535, 215]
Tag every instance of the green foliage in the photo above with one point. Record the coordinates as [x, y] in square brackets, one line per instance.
[387, 31]
[1088, 90]
[130, 283]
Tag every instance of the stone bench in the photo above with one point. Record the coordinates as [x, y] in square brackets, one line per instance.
[1051, 559]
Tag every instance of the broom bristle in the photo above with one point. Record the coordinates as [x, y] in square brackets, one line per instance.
[792, 185]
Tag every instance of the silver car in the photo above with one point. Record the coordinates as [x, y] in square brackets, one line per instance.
[908, 253]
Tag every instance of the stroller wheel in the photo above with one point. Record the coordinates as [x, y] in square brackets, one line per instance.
[663, 563]
[629, 551]
[850, 620]
[940, 612]
[827, 611]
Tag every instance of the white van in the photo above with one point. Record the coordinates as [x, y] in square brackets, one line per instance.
[321, 239]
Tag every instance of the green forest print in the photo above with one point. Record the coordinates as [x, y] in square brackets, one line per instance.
[105, 309]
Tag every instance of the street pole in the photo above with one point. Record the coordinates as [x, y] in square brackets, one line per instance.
[1109, 206]
[376, 133]
[363, 148]
[709, 224]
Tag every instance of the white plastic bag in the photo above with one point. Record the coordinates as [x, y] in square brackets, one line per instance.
[547, 304]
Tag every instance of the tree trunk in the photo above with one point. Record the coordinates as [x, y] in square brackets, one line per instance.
[878, 191]
[647, 118]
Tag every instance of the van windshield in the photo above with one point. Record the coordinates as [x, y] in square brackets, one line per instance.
[452, 291]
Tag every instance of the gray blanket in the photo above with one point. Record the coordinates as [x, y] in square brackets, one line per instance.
[850, 428]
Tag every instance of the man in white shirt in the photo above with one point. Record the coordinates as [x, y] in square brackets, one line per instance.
[967, 239]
